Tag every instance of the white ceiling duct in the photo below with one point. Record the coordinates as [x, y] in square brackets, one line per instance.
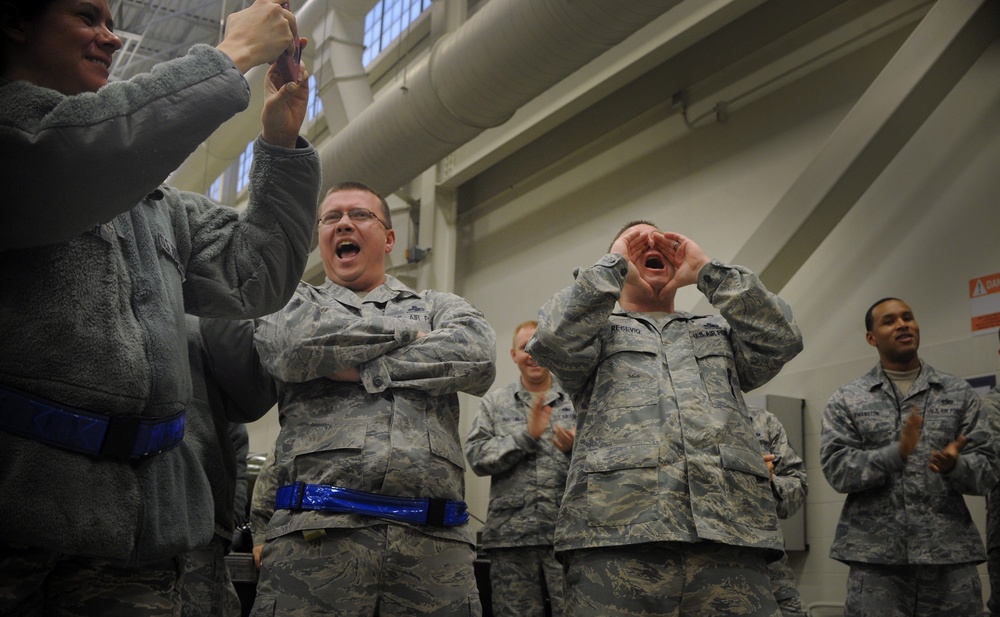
[508, 53]
[320, 21]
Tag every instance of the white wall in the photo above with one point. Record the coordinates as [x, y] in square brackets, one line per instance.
[928, 225]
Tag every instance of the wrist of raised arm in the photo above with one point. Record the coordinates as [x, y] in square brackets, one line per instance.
[711, 275]
[280, 139]
[616, 264]
[238, 54]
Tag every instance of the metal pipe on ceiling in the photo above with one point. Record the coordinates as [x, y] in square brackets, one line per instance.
[475, 78]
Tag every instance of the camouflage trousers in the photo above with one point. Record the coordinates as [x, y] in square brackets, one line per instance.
[208, 590]
[784, 588]
[520, 579]
[386, 570]
[668, 579]
[875, 590]
[36, 582]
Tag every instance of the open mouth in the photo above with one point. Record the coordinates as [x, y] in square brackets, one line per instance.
[654, 262]
[347, 249]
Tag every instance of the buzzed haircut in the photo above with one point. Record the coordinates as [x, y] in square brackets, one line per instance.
[361, 186]
[531, 323]
[869, 318]
[628, 226]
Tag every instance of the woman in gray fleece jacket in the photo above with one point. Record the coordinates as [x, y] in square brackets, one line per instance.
[99, 261]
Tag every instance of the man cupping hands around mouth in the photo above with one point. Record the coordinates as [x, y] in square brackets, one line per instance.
[662, 425]
[659, 263]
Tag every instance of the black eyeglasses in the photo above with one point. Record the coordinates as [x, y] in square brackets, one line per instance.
[357, 215]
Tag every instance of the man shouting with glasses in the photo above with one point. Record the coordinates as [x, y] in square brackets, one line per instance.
[368, 514]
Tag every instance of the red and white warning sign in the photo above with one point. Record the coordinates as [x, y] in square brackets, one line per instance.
[984, 303]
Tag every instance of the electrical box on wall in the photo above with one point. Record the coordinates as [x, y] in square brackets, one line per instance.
[789, 412]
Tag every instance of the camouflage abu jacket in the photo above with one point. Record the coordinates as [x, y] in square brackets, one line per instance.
[901, 512]
[789, 487]
[665, 448]
[394, 433]
[990, 409]
[789, 483]
[528, 475]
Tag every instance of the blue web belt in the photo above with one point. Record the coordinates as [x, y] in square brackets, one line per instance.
[87, 432]
[433, 511]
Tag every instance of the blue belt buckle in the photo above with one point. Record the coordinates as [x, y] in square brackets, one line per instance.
[446, 513]
[119, 437]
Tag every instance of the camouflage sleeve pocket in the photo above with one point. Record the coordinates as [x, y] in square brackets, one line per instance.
[622, 485]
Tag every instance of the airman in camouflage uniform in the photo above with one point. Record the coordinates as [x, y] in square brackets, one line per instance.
[368, 374]
[668, 508]
[905, 442]
[262, 505]
[523, 438]
[991, 411]
[788, 483]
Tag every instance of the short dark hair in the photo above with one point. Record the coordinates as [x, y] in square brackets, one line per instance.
[28, 10]
[869, 319]
[361, 186]
[628, 226]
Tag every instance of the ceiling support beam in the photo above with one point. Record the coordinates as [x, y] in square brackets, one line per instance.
[949, 40]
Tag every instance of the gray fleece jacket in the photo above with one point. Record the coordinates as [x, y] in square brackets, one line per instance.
[98, 264]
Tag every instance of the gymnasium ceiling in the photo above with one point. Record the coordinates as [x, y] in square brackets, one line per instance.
[156, 30]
